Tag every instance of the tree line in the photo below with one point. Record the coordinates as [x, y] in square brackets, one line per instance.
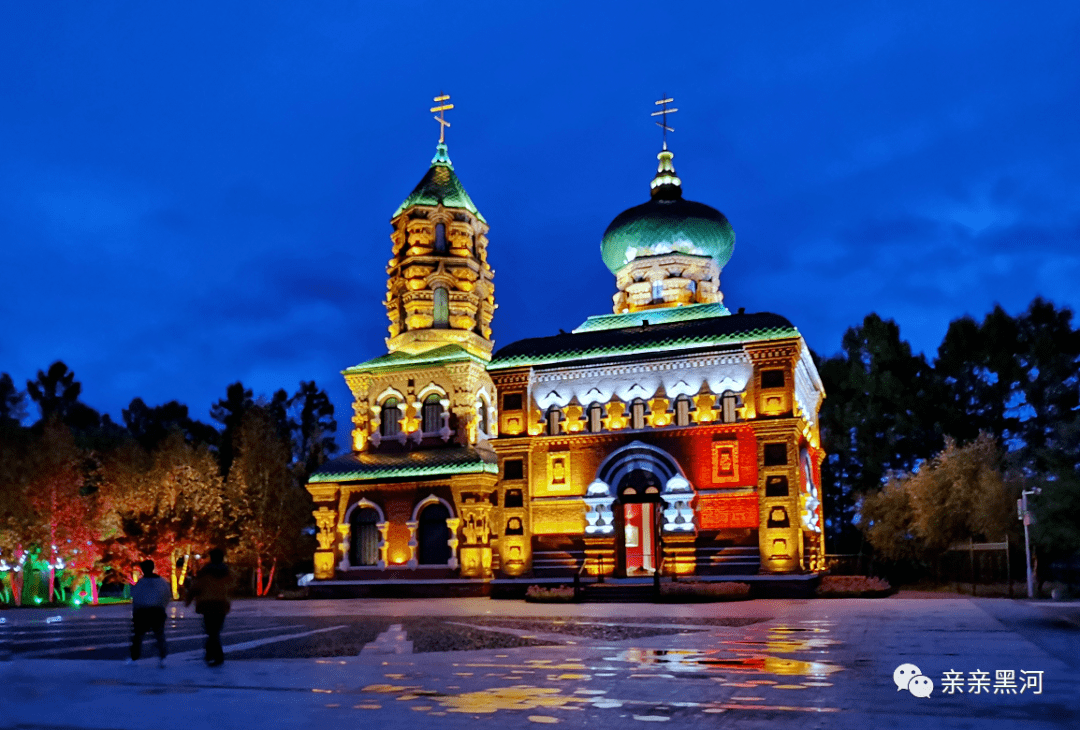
[924, 453]
[83, 499]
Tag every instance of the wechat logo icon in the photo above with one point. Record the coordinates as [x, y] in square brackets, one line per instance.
[911, 678]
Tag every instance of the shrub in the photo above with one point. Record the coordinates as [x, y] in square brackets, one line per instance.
[555, 594]
[853, 586]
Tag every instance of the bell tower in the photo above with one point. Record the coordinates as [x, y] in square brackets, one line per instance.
[439, 287]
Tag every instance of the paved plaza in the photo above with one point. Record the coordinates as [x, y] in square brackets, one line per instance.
[993, 663]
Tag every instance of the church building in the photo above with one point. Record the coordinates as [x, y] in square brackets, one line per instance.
[670, 436]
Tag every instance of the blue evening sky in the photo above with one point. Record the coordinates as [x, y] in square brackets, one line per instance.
[197, 193]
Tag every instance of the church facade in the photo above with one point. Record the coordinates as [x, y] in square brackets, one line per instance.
[671, 436]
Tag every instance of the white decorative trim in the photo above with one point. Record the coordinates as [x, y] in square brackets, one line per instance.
[390, 391]
[364, 502]
[433, 388]
[431, 499]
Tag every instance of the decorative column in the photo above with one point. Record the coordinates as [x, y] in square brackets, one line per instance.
[383, 528]
[412, 525]
[452, 524]
[325, 520]
[476, 529]
[343, 545]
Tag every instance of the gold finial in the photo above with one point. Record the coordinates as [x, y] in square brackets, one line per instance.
[664, 111]
[441, 106]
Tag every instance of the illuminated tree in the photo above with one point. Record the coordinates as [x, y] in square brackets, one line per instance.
[167, 505]
[960, 494]
[267, 506]
[16, 514]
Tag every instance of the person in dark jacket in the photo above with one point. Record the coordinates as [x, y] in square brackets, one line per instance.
[210, 592]
[149, 597]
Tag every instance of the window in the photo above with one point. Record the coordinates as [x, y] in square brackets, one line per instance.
[682, 410]
[433, 535]
[772, 378]
[390, 418]
[514, 498]
[658, 291]
[514, 526]
[729, 404]
[513, 469]
[775, 454]
[776, 486]
[596, 418]
[364, 534]
[482, 417]
[442, 308]
[692, 286]
[432, 414]
[512, 402]
[554, 416]
[440, 238]
[637, 414]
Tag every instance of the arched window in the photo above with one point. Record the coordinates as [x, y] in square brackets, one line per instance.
[440, 238]
[432, 414]
[554, 416]
[482, 417]
[433, 535]
[364, 532]
[729, 402]
[658, 291]
[442, 308]
[596, 418]
[682, 410]
[390, 418]
[637, 414]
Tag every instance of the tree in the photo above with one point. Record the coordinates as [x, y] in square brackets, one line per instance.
[150, 426]
[878, 418]
[267, 505]
[167, 505]
[229, 412]
[66, 519]
[961, 494]
[16, 514]
[12, 403]
[56, 393]
[316, 427]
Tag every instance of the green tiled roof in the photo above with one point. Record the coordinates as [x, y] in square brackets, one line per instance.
[404, 361]
[411, 464]
[652, 316]
[440, 186]
[650, 339]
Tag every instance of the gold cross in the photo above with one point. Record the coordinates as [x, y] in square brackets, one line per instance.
[664, 111]
[442, 107]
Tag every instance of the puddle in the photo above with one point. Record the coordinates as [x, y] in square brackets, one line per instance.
[688, 660]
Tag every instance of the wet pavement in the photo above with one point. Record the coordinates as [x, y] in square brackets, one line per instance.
[457, 662]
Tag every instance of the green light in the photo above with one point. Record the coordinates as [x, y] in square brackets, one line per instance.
[37, 599]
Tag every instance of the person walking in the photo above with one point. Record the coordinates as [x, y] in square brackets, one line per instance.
[149, 598]
[210, 592]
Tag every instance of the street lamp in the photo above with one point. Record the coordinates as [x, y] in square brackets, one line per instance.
[1025, 515]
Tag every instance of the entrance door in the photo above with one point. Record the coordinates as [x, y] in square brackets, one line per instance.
[640, 540]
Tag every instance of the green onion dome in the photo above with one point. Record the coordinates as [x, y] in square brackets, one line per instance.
[667, 224]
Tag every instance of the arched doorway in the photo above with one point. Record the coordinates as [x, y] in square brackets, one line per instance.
[638, 512]
[364, 532]
[433, 535]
